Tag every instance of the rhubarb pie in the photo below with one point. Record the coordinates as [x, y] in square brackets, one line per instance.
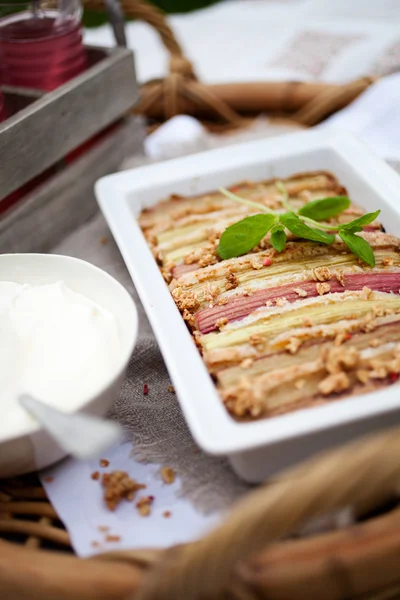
[280, 331]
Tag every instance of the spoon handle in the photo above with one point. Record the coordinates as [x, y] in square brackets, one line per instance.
[81, 435]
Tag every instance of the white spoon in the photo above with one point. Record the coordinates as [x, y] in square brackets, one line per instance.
[81, 435]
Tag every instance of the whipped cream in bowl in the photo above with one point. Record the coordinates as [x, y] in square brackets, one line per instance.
[67, 331]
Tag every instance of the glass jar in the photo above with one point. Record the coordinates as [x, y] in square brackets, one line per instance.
[40, 46]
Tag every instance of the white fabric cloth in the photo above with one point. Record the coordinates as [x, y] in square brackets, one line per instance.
[259, 40]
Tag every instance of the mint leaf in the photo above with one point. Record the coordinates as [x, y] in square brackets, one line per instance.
[358, 224]
[292, 222]
[243, 236]
[325, 208]
[358, 246]
[278, 238]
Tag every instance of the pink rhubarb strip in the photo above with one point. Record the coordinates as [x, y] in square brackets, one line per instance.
[241, 306]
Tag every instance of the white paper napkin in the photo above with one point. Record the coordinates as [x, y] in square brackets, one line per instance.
[78, 500]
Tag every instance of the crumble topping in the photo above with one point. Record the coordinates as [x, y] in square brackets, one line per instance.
[189, 318]
[321, 274]
[340, 276]
[319, 340]
[300, 292]
[339, 359]
[257, 341]
[323, 288]
[219, 323]
[335, 383]
[281, 301]
[293, 345]
[341, 338]
[231, 281]
[362, 376]
[257, 263]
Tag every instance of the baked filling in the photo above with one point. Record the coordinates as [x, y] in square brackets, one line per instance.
[285, 330]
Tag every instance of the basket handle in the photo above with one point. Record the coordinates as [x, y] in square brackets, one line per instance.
[143, 11]
[362, 474]
[181, 84]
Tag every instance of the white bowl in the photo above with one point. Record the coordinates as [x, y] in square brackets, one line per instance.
[35, 449]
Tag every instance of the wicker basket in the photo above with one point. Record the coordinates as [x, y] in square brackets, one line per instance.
[246, 557]
[233, 105]
[254, 554]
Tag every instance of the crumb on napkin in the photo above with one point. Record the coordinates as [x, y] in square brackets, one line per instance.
[119, 486]
[167, 475]
[144, 505]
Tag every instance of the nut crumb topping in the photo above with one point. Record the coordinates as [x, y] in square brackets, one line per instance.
[95, 475]
[281, 301]
[340, 359]
[256, 341]
[171, 389]
[166, 514]
[335, 383]
[366, 292]
[189, 318]
[321, 274]
[300, 292]
[293, 345]
[104, 462]
[256, 263]
[362, 376]
[231, 281]
[323, 288]
[220, 323]
[341, 337]
[340, 276]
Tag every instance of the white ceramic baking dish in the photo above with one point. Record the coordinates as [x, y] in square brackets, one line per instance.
[260, 448]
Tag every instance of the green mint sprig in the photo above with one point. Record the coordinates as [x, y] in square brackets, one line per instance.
[243, 236]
